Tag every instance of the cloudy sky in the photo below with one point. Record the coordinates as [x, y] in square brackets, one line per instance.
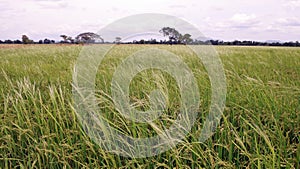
[219, 19]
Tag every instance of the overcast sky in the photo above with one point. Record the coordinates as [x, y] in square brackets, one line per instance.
[218, 19]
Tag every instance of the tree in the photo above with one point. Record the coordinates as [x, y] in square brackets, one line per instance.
[64, 37]
[17, 42]
[67, 39]
[186, 38]
[172, 33]
[118, 40]
[47, 41]
[26, 40]
[88, 37]
[70, 39]
[8, 41]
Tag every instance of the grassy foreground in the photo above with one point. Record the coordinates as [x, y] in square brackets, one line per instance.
[260, 127]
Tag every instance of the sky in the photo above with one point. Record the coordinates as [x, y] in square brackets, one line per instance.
[259, 20]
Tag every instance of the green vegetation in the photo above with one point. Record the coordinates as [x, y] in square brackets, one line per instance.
[260, 127]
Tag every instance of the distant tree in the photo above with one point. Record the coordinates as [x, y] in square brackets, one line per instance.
[153, 41]
[214, 42]
[47, 41]
[118, 40]
[64, 38]
[171, 33]
[40, 41]
[89, 37]
[70, 39]
[26, 40]
[8, 41]
[67, 39]
[236, 42]
[142, 41]
[17, 42]
[186, 38]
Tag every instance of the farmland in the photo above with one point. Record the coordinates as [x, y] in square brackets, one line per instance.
[260, 127]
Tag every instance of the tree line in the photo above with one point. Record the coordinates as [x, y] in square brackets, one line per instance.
[173, 37]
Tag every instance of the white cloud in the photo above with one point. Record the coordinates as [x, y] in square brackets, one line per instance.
[237, 21]
[243, 18]
[292, 4]
[52, 4]
[289, 21]
[177, 6]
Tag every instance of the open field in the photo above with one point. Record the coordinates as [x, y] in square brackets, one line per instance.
[260, 127]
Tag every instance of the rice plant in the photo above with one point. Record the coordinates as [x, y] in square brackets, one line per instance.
[260, 127]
